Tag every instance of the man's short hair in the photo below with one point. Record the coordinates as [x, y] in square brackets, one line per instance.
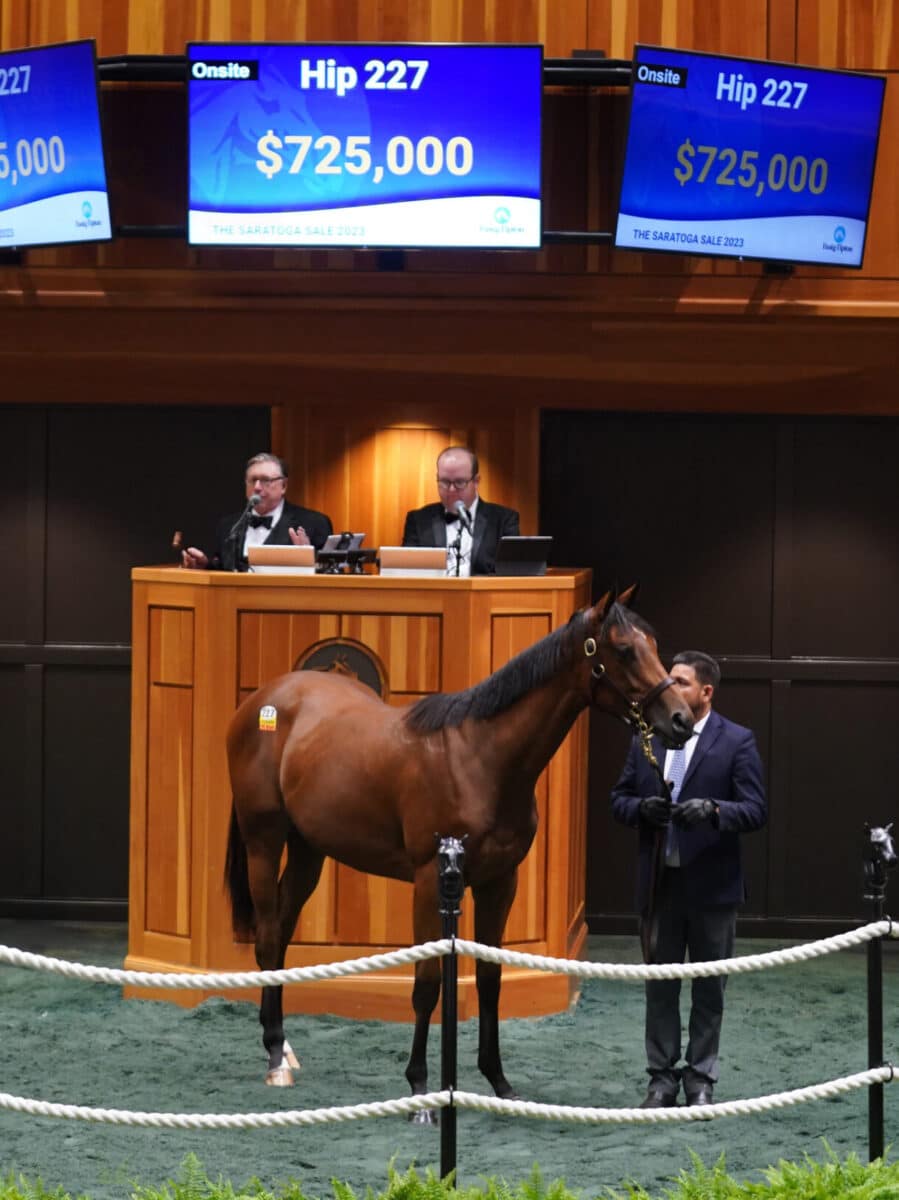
[707, 670]
[475, 466]
[272, 458]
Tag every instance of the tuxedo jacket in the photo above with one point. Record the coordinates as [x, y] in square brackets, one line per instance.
[725, 767]
[427, 527]
[316, 524]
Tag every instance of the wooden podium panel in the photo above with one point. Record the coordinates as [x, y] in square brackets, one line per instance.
[202, 641]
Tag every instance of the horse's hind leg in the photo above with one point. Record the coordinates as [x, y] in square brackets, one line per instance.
[426, 990]
[492, 903]
[278, 904]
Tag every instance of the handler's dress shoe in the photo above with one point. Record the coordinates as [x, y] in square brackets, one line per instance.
[659, 1096]
[700, 1095]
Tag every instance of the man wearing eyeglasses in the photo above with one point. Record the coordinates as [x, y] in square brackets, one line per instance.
[268, 520]
[471, 535]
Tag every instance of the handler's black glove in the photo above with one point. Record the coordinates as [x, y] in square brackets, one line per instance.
[691, 813]
[656, 810]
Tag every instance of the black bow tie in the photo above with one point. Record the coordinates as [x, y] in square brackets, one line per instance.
[450, 517]
[260, 522]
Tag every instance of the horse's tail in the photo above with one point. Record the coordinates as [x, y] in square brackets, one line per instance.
[237, 880]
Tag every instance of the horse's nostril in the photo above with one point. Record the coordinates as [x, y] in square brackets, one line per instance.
[681, 723]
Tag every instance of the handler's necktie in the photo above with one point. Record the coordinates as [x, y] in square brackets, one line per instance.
[677, 767]
[260, 522]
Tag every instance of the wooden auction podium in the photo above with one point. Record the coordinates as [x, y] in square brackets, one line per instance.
[202, 641]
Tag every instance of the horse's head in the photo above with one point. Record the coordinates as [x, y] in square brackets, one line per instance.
[626, 676]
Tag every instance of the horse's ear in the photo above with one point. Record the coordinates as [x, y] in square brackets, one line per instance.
[627, 596]
[602, 606]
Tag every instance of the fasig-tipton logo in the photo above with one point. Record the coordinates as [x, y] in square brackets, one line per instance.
[660, 75]
[230, 70]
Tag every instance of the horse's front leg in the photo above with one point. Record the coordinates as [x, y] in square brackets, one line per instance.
[492, 902]
[426, 990]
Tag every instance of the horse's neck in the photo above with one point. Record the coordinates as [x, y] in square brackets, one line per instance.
[530, 731]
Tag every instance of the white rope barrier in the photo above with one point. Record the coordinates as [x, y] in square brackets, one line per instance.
[630, 972]
[434, 1100]
[225, 979]
[410, 1105]
[698, 1112]
[405, 1106]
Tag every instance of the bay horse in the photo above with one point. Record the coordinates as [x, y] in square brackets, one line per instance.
[347, 776]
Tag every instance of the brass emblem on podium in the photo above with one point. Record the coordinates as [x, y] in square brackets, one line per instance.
[348, 657]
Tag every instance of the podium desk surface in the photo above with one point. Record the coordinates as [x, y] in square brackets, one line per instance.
[555, 579]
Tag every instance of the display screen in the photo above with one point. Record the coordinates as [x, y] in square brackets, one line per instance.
[52, 171]
[364, 145]
[748, 159]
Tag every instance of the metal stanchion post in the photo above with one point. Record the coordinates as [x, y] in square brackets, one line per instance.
[879, 857]
[451, 885]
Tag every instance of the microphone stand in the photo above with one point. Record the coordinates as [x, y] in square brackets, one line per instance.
[238, 530]
[457, 547]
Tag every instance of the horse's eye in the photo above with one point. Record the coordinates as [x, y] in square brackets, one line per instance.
[624, 653]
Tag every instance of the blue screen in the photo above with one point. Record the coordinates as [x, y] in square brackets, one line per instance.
[365, 145]
[52, 171]
[748, 159]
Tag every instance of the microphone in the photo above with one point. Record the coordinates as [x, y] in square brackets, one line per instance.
[464, 514]
[239, 526]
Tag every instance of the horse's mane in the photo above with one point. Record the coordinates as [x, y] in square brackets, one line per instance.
[526, 671]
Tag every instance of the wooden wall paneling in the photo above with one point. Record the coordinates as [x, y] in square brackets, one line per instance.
[782, 31]
[366, 465]
[844, 33]
[14, 25]
[408, 646]
[170, 749]
[163, 27]
[271, 642]
[371, 911]
[716, 26]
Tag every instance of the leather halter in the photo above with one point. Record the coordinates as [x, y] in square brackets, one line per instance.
[637, 705]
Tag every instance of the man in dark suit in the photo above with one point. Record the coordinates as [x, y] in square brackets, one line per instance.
[471, 537]
[692, 847]
[269, 520]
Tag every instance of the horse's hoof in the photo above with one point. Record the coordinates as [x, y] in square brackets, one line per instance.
[279, 1077]
[425, 1116]
[292, 1060]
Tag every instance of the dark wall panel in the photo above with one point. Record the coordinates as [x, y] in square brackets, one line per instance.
[100, 490]
[20, 521]
[86, 780]
[20, 814]
[843, 772]
[120, 481]
[685, 505]
[845, 568]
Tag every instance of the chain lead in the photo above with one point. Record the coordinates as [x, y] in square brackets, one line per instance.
[645, 732]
